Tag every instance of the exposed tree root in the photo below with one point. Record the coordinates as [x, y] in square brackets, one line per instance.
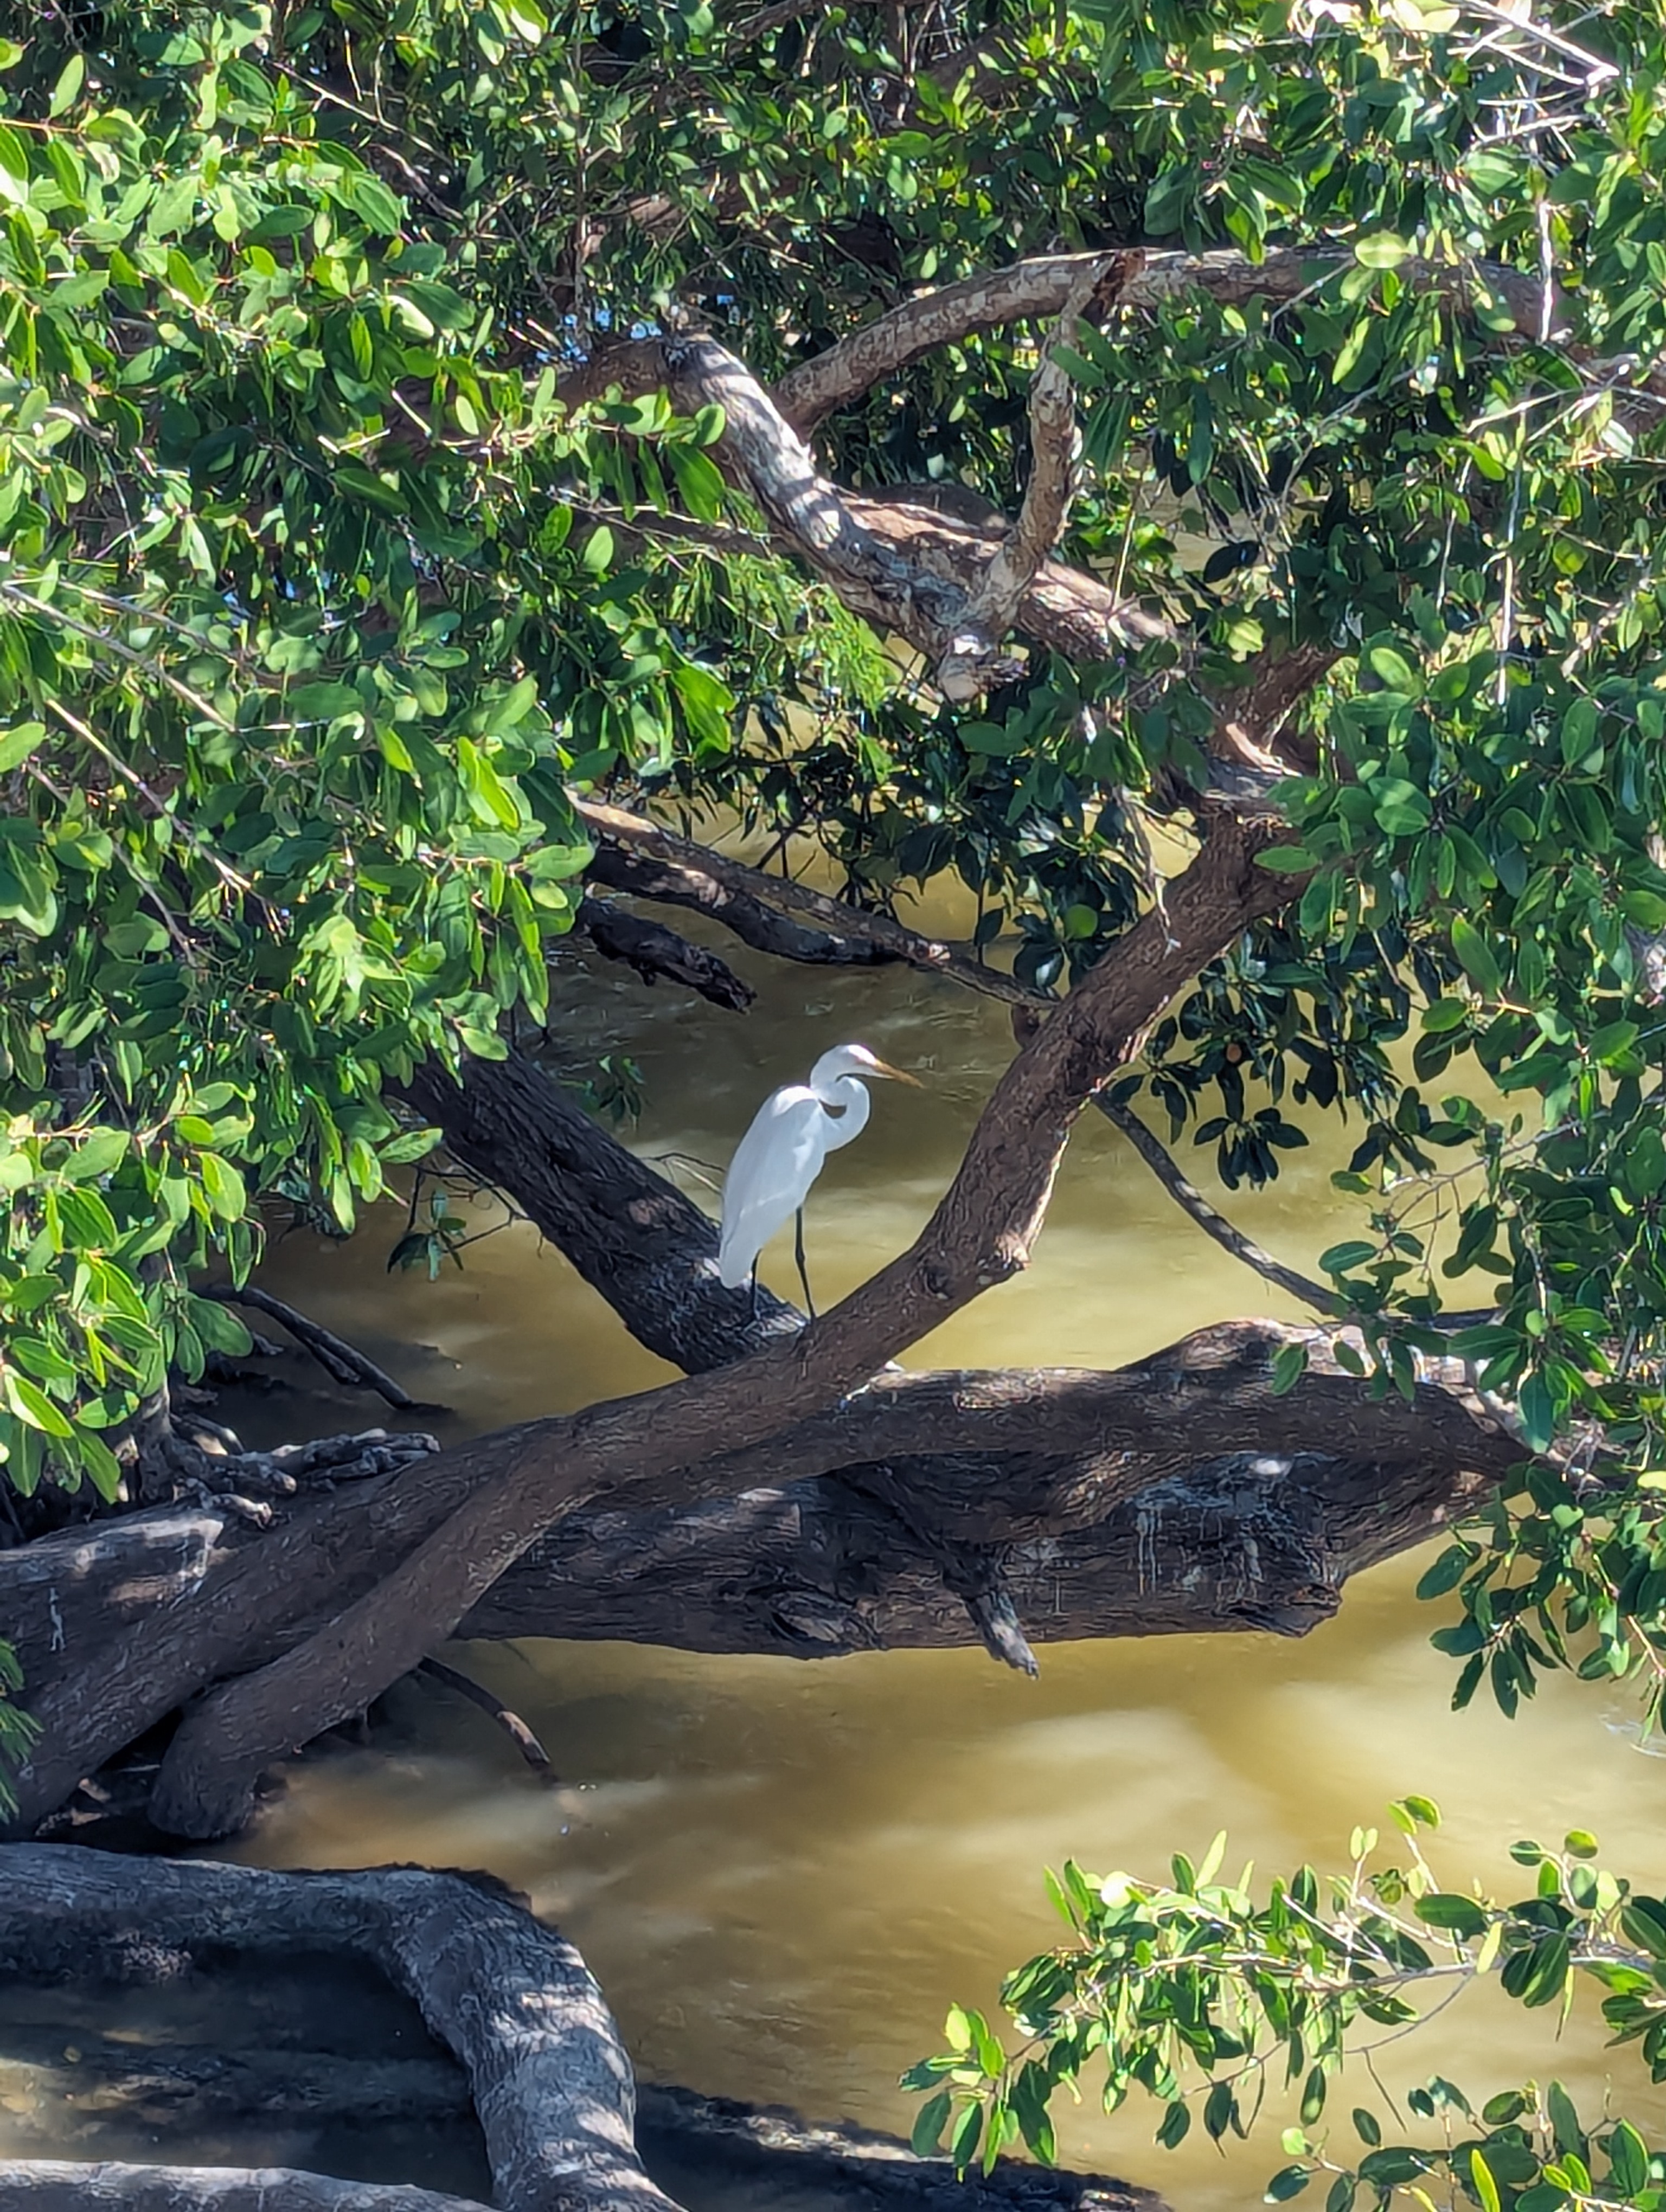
[546, 2070]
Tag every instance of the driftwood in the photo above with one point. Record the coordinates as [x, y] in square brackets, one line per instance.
[543, 2063]
[548, 2074]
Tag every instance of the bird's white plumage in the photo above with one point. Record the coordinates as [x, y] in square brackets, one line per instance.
[781, 1154]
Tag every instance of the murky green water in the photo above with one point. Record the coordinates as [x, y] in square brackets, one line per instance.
[782, 1873]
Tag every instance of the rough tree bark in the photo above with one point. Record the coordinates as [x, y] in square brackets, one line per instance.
[1179, 1495]
[549, 2075]
[543, 2061]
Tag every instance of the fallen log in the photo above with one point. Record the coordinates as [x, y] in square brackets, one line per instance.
[548, 2074]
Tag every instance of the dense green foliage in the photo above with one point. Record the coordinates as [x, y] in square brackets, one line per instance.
[316, 605]
[1194, 1993]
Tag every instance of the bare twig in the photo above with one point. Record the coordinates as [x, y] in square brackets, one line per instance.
[342, 1362]
[511, 1722]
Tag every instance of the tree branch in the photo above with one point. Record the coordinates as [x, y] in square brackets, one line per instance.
[342, 1362]
[880, 567]
[658, 953]
[464, 1685]
[749, 918]
[995, 606]
[1038, 288]
[891, 939]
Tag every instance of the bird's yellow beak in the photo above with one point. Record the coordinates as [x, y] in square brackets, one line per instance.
[896, 1075]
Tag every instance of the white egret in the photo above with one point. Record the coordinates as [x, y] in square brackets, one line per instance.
[781, 1154]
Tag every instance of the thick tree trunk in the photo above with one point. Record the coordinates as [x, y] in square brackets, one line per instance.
[634, 1237]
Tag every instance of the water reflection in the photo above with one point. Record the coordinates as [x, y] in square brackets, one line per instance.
[782, 1873]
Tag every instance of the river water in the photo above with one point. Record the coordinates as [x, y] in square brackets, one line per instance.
[783, 1873]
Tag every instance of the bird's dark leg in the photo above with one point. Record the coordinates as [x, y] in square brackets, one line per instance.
[798, 1254]
[755, 1290]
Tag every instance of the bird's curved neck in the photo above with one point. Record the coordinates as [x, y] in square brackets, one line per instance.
[846, 1092]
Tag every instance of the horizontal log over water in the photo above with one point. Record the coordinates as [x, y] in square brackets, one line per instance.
[808, 1570]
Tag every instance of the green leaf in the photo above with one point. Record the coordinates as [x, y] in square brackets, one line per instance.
[18, 743]
[1458, 1916]
[1477, 956]
[67, 90]
[1289, 1365]
[1485, 2188]
[1175, 2125]
[1340, 1258]
[98, 1153]
[1288, 2182]
[222, 1185]
[929, 2124]
[100, 1464]
[30, 1403]
[963, 2136]
[1628, 2160]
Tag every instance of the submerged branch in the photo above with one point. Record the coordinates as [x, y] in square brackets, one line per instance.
[342, 1362]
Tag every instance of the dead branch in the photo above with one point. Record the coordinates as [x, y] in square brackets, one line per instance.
[659, 954]
[832, 915]
[525, 1741]
[650, 1251]
[749, 918]
[342, 1362]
